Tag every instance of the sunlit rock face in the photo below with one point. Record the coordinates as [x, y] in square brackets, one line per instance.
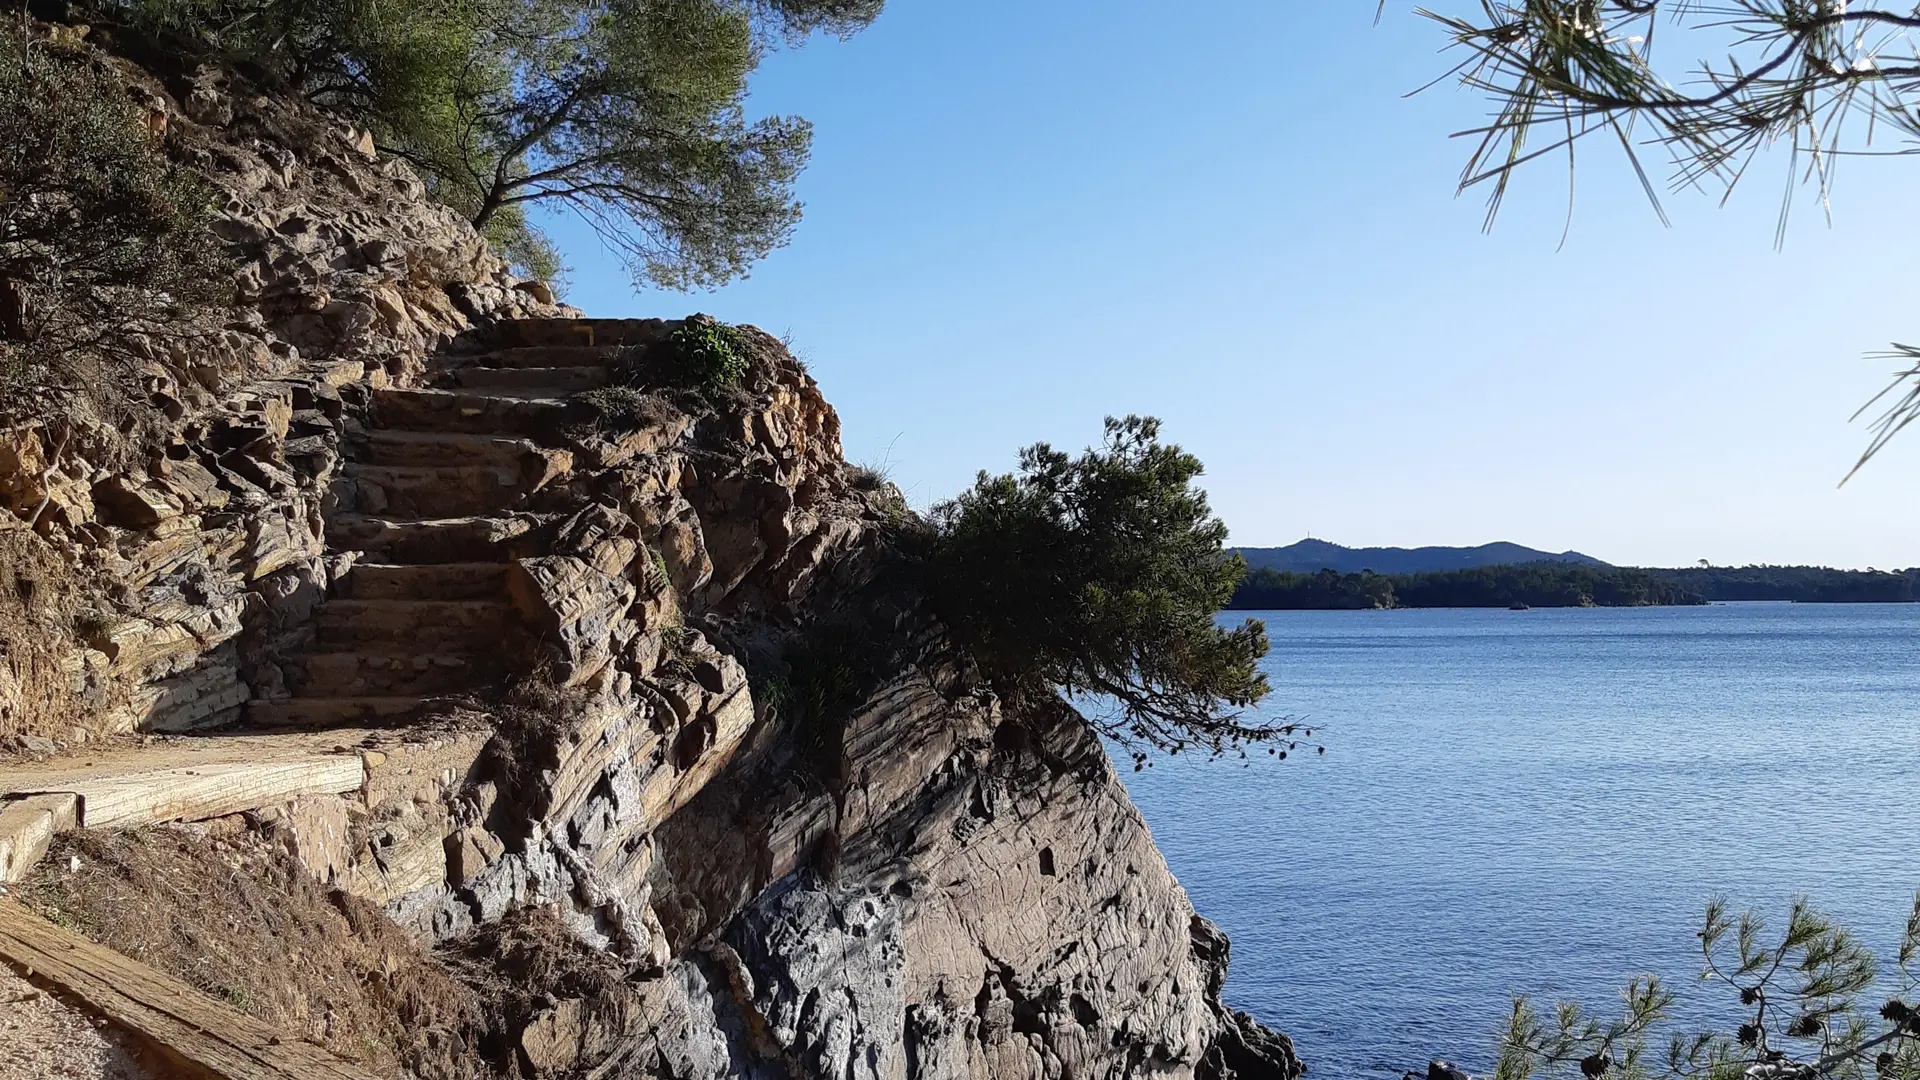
[387, 502]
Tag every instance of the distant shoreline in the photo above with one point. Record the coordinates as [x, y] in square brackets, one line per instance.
[1560, 585]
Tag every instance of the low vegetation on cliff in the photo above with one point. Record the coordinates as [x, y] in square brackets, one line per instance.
[104, 242]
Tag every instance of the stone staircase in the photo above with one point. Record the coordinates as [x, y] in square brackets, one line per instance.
[436, 497]
[462, 546]
[430, 507]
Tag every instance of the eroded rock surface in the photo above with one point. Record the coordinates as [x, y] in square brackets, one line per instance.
[390, 498]
[211, 539]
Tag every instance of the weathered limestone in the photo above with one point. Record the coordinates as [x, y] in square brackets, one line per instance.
[426, 625]
[383, 501]
[399, 673]
[472, 412]
[426, 449]
[347, 281]
[28, 826]
[184, 785]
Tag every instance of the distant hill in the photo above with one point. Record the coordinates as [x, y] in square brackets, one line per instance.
[1310, 556]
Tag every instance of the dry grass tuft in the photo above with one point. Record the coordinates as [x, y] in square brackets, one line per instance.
[532, 724]
[529, 958]
[241, 920]
[529, 962]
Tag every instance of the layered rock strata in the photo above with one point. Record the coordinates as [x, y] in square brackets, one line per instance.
[637, 651]
[917, 885]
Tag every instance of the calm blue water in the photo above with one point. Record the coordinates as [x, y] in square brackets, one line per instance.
[1543, 801]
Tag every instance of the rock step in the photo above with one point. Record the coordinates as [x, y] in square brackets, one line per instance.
[484, 626]
[554, 381]
[369, 674]
[401, 491]
[468, 411]
[547, 394]
[546, 356]
[323, 712]
[123, 785]
[525, 332]
[431, 449]
[442, 581]
[432, 540]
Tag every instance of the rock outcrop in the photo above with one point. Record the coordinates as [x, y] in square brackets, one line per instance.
[209, 530]
[641, 647]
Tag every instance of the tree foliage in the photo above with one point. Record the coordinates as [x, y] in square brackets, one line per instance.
[629, 113]
[101, 237]
[1824, 79]
[1100, 575]
[1802, 584]
[1803, 993]
[1532, 584]
[1562, 585]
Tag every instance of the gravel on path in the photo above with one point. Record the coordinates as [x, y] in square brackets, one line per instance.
[43, 1038]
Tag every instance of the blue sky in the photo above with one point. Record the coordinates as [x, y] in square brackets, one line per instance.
[1022, 217]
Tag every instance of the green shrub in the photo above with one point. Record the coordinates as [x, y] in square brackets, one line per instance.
[1100, 575]
[688, 368]
[709, 353]
[101, 237]
[660, 578]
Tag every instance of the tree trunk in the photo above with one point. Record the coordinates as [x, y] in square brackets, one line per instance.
[13, 310]
[488, 207]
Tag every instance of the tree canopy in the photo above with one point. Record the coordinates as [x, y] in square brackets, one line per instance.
[1823, 79]
[629, 113]
[1100, 575]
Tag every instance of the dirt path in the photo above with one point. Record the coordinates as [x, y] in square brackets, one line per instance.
[41, 1038]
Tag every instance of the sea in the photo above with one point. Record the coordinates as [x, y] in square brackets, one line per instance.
[1542, 802]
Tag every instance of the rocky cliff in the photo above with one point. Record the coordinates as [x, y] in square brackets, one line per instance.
[612, 643]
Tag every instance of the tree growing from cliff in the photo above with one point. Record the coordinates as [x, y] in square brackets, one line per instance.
[1100, 575]
[1823, 79]
[101, 237]
[628, 113]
